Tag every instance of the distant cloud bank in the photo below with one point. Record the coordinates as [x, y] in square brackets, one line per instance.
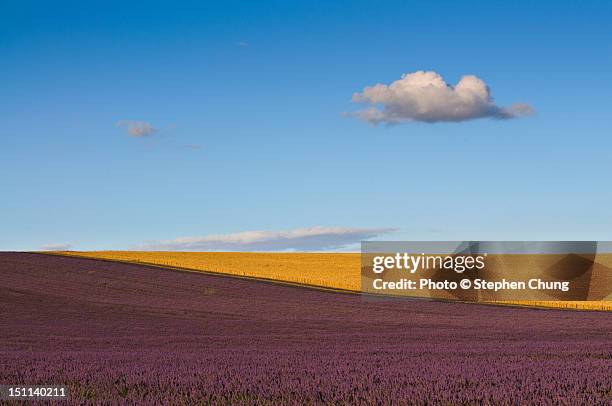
[56, 247]
[425, 97]
[301, 239]
[137, 128]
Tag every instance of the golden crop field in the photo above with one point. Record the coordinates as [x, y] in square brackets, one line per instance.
[337, 271]
[575, 305]
[328, 270]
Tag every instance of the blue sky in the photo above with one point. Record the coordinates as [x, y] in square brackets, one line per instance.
[248, 99]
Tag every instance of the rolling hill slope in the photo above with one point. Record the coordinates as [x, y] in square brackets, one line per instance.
[116, 332]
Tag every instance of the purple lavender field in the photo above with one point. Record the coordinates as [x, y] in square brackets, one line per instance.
[119, 333]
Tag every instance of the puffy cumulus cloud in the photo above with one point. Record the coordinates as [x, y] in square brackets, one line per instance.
[137, 128]
[301, 239]
[56, 247]
[426, 97]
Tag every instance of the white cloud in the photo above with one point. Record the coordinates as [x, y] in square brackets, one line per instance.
[426, 97]
[242, 44]
[301, 239]
[137, 128]
[56, 247]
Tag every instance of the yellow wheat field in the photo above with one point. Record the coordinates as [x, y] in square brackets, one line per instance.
[329, 270]
[338, 271]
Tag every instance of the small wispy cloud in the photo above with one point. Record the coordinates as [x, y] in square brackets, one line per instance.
[301, 239]
[56, 247]
[242, 44]
[425, 97]
[136, 128]
[193, 146]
